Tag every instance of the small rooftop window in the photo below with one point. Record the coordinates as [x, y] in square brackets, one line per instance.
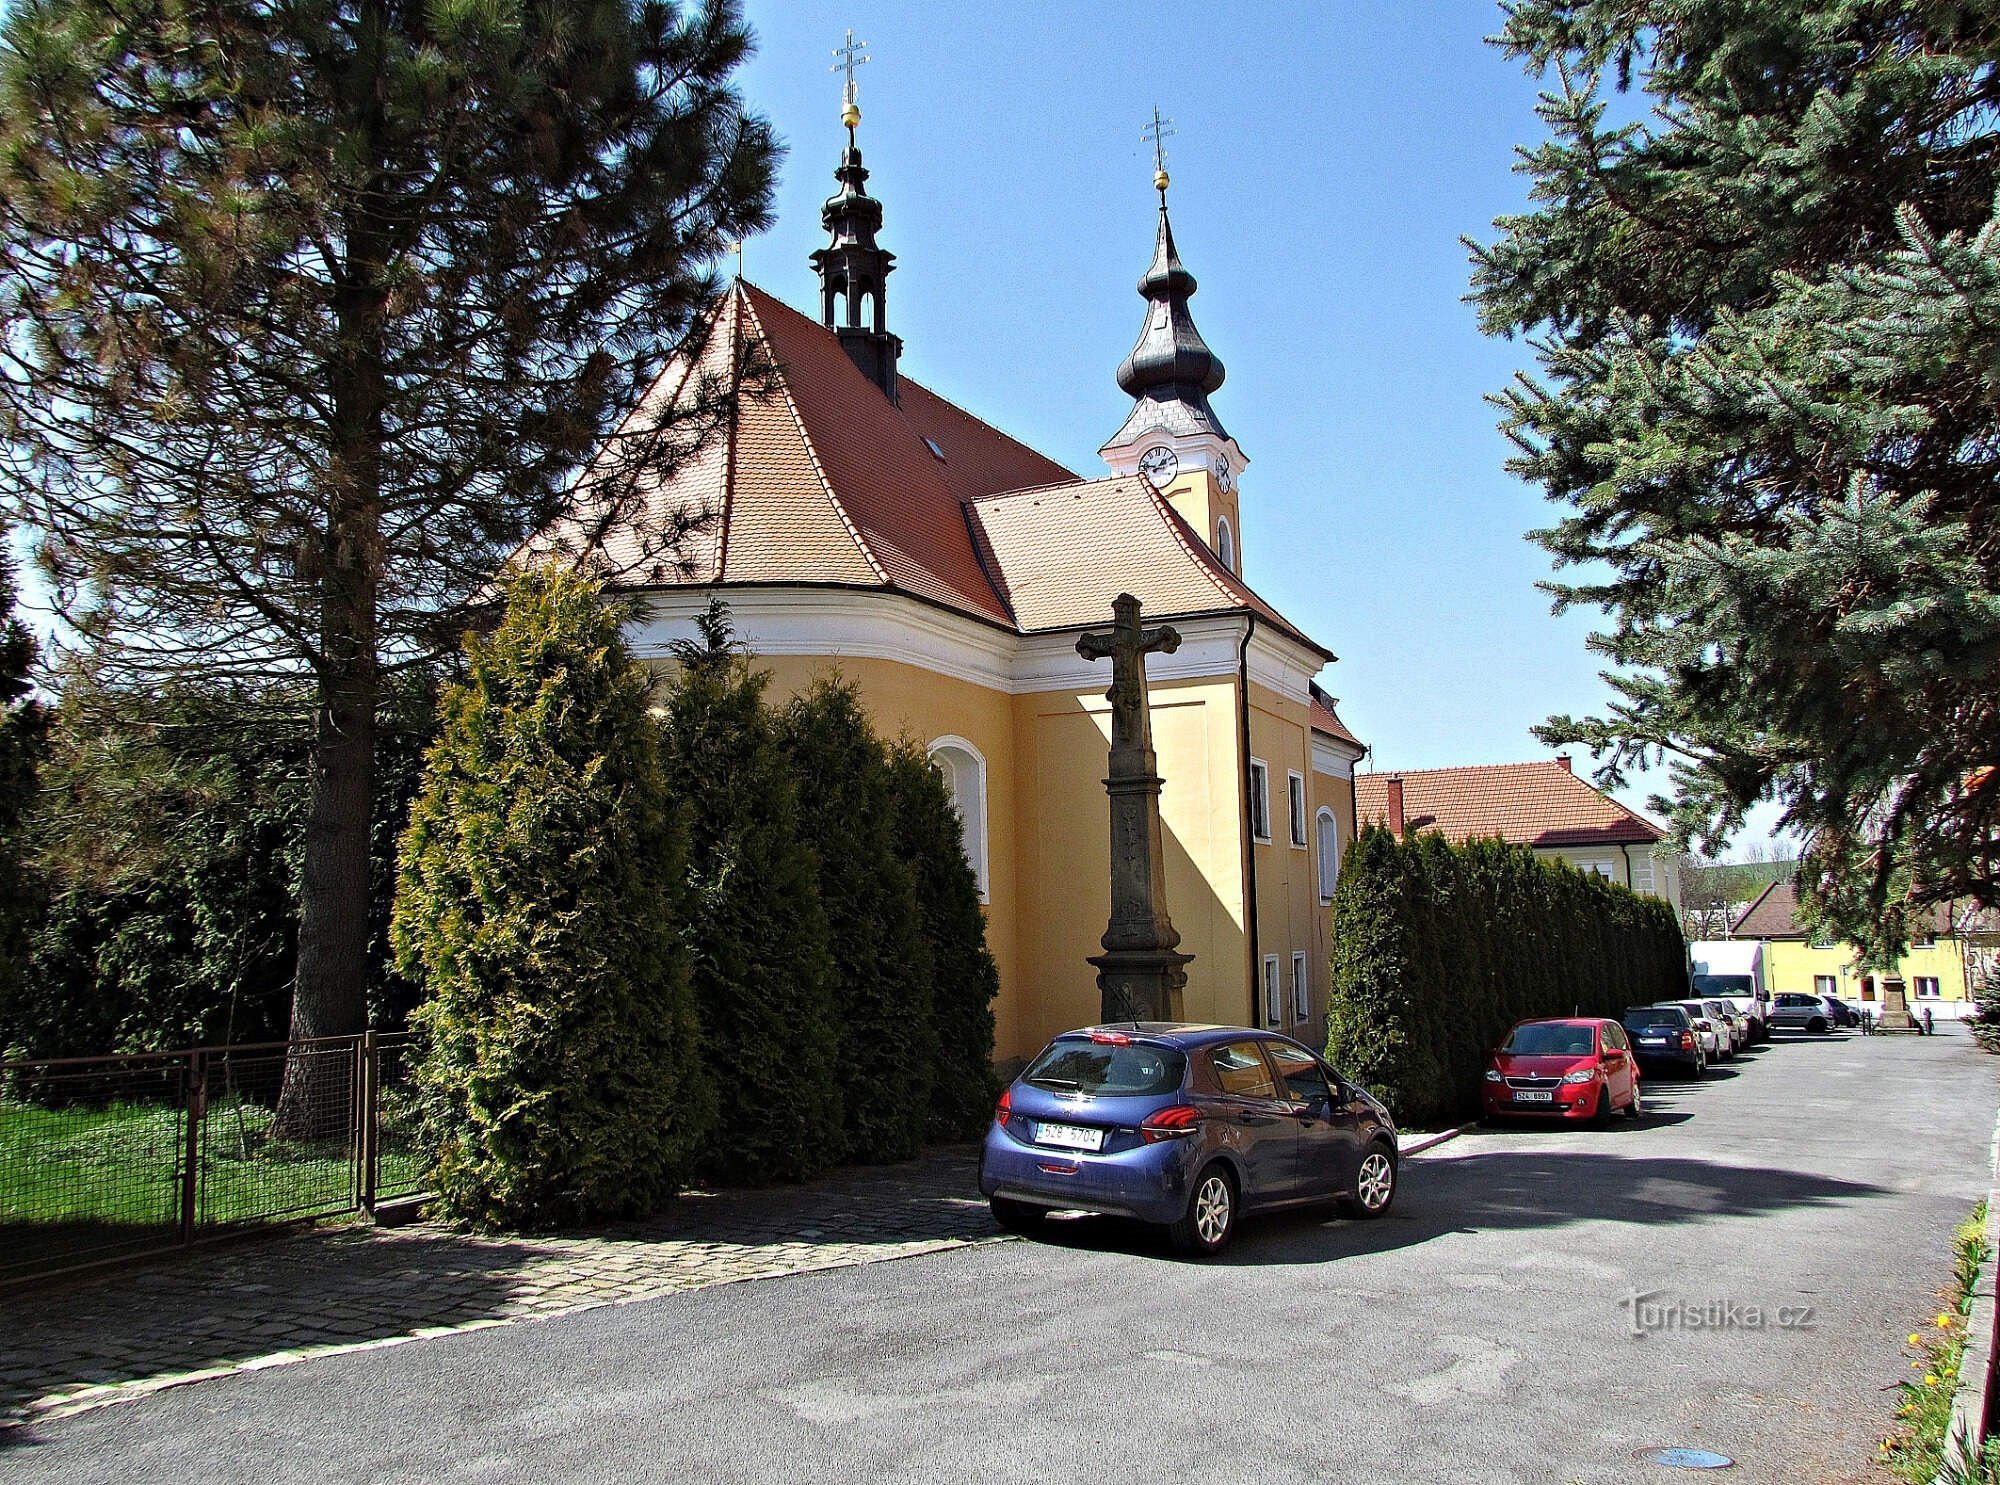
[932, 445]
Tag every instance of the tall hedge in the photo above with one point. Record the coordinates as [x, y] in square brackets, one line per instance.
[882, 973]
[538, 899]
[1439, 948]
[930, 837]
[763, 973]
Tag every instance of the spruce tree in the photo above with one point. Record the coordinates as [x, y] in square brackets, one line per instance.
[964, 979]
[1762, 277]
[762, 971]
[309, 313]
[882, 974]
[539, 902]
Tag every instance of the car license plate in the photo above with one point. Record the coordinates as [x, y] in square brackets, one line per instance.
[1534, 1098]
[1070, 1136]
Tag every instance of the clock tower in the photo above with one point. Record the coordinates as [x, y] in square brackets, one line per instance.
[1172, 436]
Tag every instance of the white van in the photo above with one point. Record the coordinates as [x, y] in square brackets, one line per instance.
[1732, 970]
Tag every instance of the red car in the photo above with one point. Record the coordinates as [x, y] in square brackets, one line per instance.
[1580, 1067]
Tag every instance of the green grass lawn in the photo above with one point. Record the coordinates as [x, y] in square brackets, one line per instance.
[77, 1184]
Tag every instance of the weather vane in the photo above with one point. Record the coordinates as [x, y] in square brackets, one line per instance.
[1156, 134]
[851, 56]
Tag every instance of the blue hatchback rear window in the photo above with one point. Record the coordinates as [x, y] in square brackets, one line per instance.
[1125, 1070]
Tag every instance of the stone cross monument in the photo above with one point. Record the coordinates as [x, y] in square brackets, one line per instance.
[1139, 975]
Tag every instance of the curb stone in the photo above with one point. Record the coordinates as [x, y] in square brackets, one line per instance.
[1971, 1403]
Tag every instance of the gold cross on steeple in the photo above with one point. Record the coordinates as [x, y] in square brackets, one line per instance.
[850, 57]
[1156, 134]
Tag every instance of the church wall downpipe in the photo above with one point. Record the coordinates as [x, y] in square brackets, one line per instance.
[1249, 809]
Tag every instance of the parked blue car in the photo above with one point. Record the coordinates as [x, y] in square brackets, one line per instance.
[1186, 1126]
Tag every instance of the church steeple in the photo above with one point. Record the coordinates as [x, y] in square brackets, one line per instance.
[853, 270]
[1172, 435]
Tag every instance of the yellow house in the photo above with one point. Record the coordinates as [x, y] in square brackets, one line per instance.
[1937, 970]
[856, 523]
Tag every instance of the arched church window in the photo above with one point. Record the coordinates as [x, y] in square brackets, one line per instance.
[964, 770]
[1225, 543]
[1329, 854]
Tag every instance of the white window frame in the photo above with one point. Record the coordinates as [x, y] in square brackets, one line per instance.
[1936, 992]
[1329, 872]
[1297, 808]
[1301, 987]
[1260, 801]
[1831, 982]
[956, 758]
[1274, 992]
[1225, 543]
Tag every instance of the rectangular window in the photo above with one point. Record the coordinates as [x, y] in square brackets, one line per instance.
[1274, 1005]
[1825, 985]
[1260, 799]
[1926, 942]
[1297, 783]
[1927, 987]
[1301, 987]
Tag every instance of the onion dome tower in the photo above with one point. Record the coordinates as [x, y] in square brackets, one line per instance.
[853, 269]
[1172, 435]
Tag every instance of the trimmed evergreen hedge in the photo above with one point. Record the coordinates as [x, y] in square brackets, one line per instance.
[1440, 948]
[539, 900]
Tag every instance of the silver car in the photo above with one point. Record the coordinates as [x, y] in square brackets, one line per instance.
[1722, 1012]
[1716, 1042]
[1796, 1012]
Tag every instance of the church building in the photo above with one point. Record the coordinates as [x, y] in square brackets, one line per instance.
[859, 524]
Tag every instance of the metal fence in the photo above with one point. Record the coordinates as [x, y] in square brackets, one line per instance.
[104, 1158]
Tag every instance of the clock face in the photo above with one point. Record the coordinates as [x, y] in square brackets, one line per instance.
[1160, 466]
[1225, 481]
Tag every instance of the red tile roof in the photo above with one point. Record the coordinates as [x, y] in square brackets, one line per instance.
[821, 479]
[1529, 804]
[1326, 719]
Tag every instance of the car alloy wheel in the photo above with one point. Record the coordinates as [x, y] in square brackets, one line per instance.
[1214, 1209]
[1374, 1183]
[1817, 1025]
[1210, 1217]
[1636, 1109]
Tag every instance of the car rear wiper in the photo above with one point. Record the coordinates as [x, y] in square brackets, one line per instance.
[1068, 1083]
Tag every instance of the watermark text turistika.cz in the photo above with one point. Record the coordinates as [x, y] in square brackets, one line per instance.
[1655, 1310]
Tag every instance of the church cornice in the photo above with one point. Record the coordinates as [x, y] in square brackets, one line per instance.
[837, 622]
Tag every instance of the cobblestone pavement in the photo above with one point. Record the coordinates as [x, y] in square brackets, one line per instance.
[64, 1349]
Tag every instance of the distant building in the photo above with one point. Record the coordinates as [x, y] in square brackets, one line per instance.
[1937, 971]
[1543, 805]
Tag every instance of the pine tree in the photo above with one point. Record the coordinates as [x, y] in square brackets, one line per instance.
[964, 979]
[539, 902]
[23, 741]
[310, 312]
[1768, 321]
[882, 974]
[762, 971]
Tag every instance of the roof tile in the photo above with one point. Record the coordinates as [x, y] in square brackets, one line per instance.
[1529, 804]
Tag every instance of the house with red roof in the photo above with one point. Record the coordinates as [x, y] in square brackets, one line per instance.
[1543, 805]
[857, 523]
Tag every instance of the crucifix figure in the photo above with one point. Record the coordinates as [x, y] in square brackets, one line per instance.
[1140, 975]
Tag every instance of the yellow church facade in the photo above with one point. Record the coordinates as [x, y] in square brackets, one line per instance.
[858, 525]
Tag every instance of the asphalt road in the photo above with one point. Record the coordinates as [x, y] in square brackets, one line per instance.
[1484, 1331]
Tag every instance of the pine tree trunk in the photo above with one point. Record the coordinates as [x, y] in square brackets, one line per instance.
[330, 995]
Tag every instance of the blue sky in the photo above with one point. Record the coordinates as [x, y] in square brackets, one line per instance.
[1326, 161]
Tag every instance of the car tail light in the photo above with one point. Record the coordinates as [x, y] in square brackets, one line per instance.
[1176, 1123]
[1111, 1038]
[1004, 1109]
[1687, 1041]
